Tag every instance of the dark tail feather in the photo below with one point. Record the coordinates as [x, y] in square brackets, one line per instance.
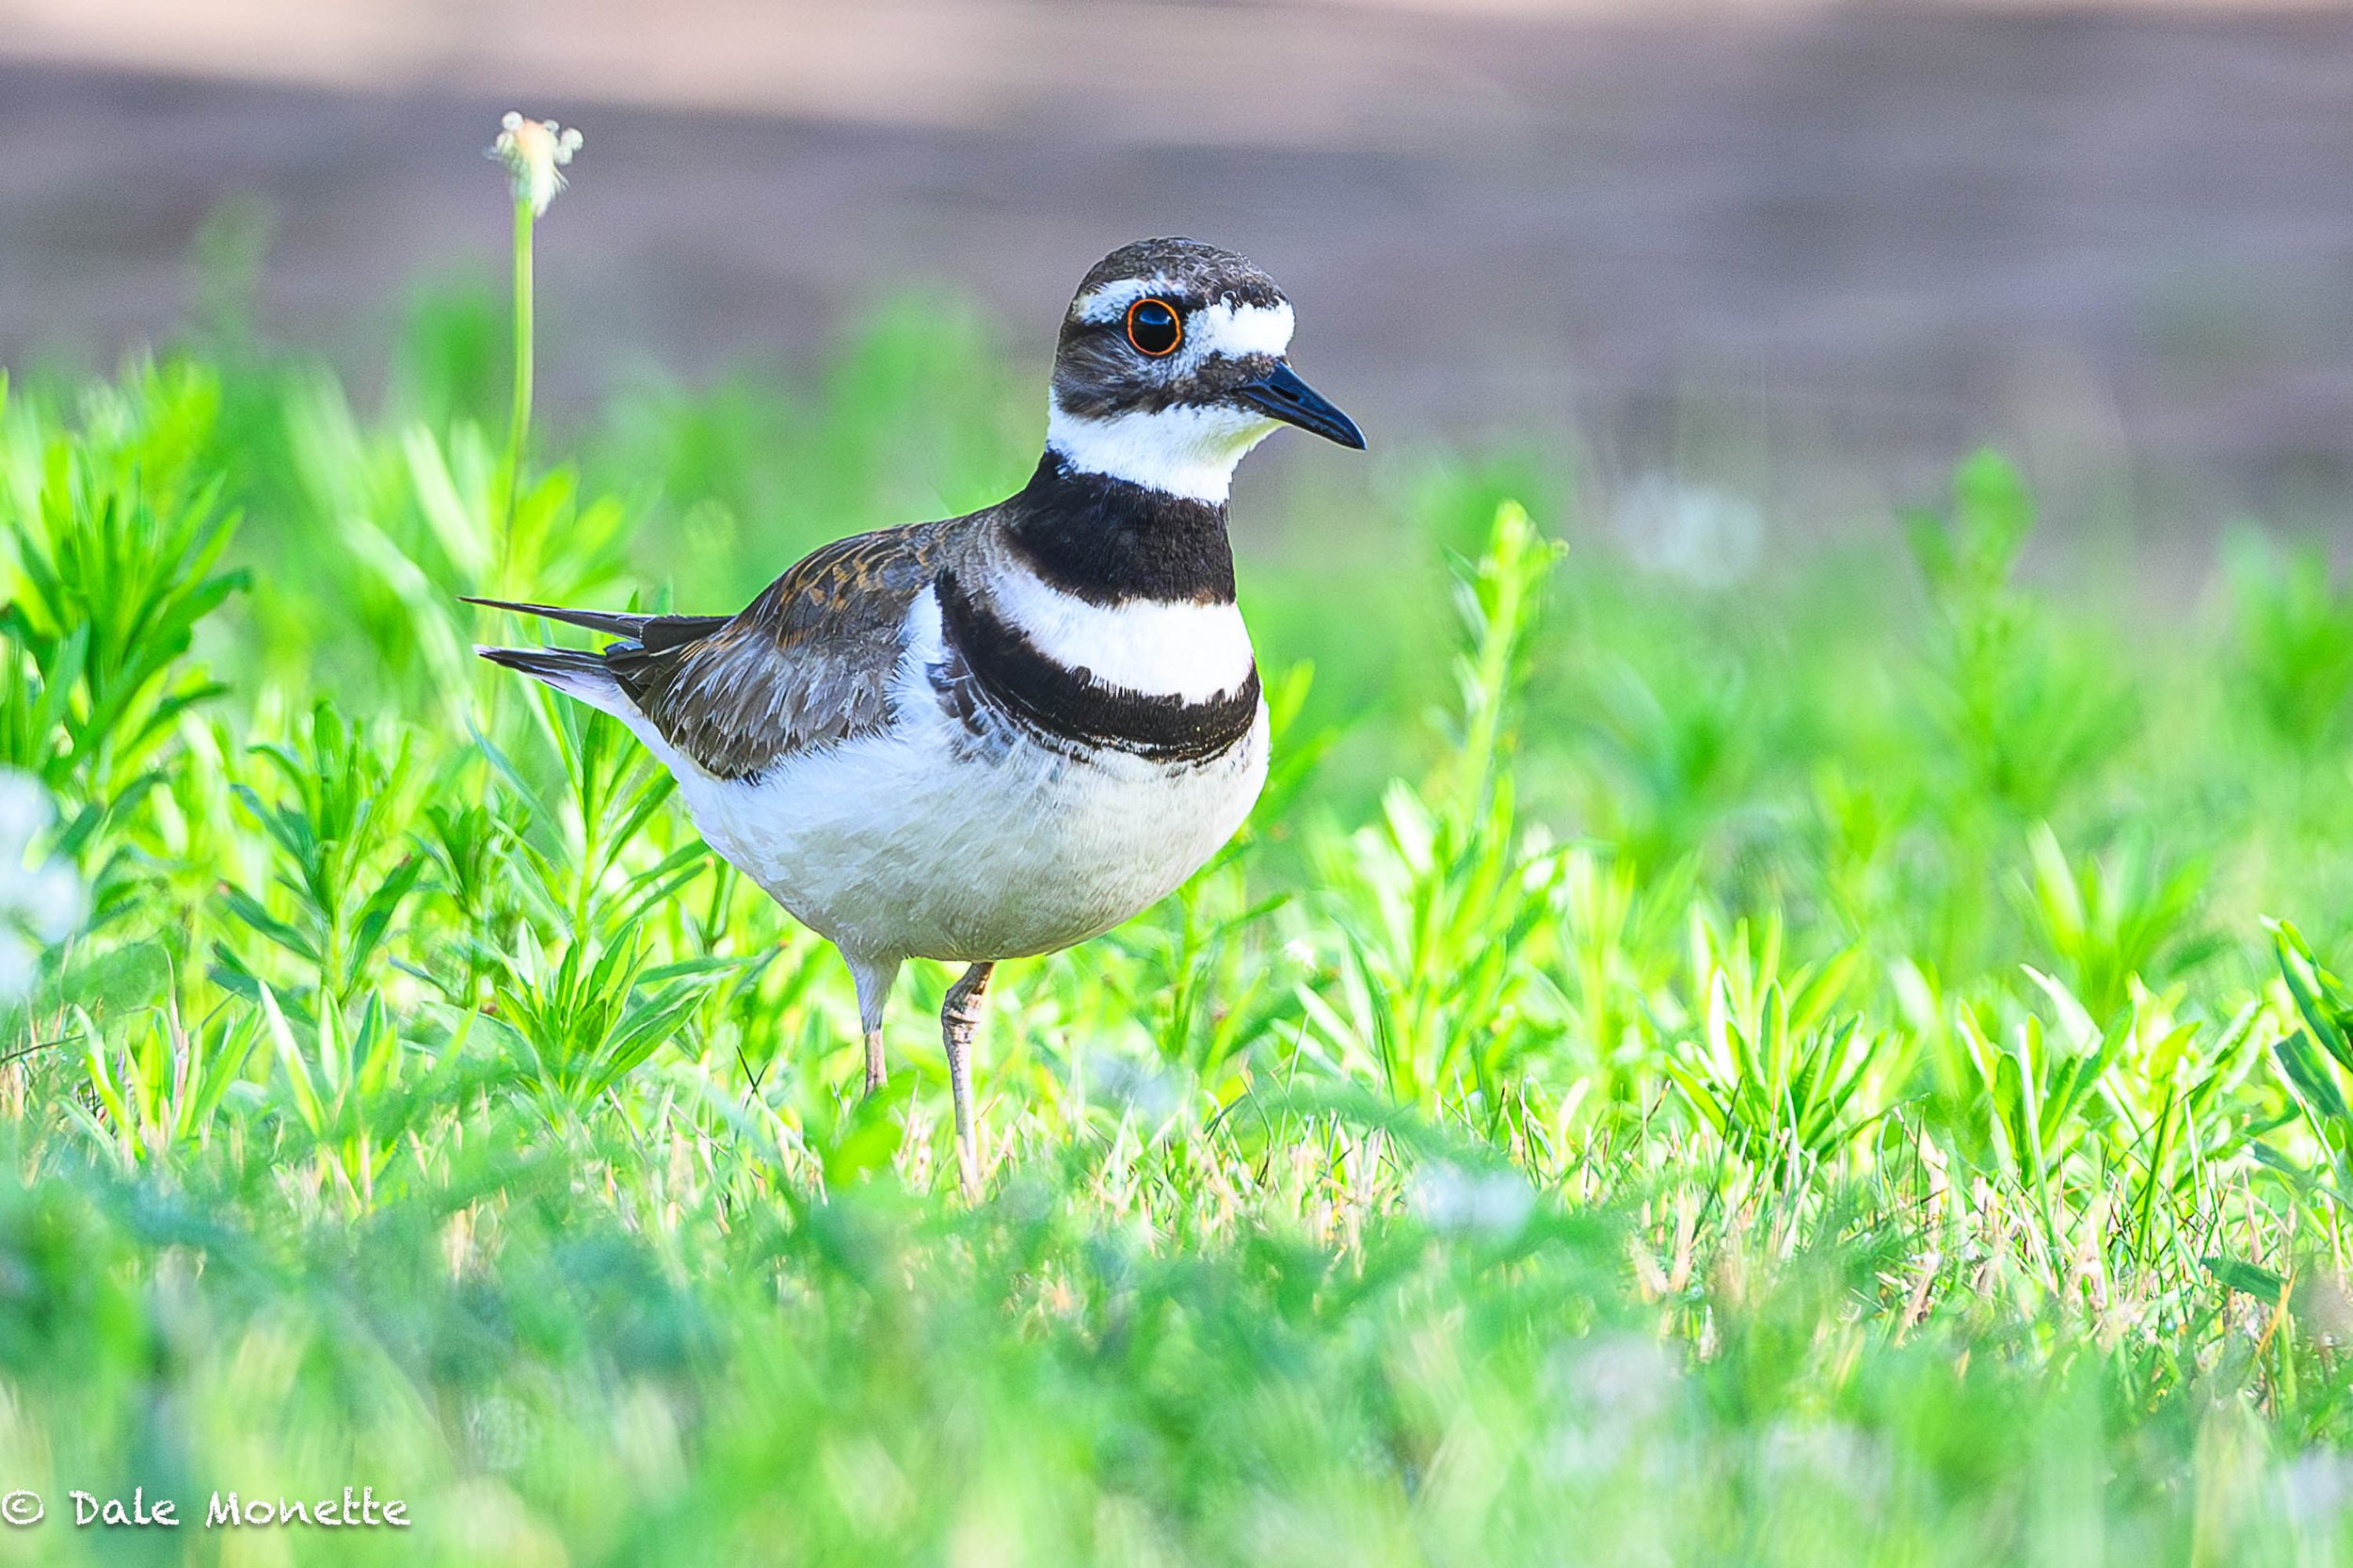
[653, 631]
[577, 673]
[567, 667]
[611, 623]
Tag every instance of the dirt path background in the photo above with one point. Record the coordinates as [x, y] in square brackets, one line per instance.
[1805, 253]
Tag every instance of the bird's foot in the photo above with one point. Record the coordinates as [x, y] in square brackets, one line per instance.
[959, 1020]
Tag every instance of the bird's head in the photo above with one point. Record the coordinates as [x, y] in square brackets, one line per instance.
[1171, 367]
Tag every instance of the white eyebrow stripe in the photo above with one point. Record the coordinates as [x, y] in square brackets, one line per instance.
[1241, 330]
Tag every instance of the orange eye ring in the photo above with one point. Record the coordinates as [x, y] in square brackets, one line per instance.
[1154, 327]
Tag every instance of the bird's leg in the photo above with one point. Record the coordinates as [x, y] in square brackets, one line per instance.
[959, 1016]
[873, 990]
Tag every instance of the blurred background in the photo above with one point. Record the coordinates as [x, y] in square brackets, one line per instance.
[1747, 274]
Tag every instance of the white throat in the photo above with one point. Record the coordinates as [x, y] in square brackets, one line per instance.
[1182, 451]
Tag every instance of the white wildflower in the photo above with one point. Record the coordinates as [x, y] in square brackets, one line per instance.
[1617, 1394]
[534, 150]
[41, 899]
[502, 1432]
[1490, 1203]
[1708, 537]
[1153, 1095]
[2315, 1488]
[1827, 1453]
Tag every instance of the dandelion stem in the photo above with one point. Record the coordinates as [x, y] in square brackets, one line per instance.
[518, 419]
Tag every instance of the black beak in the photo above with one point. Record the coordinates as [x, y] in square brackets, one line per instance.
[1283, 394]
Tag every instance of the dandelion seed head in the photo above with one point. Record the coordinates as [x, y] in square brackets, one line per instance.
[535, 152]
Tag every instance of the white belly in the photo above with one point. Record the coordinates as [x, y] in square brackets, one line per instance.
[912, 846]
[929, 841]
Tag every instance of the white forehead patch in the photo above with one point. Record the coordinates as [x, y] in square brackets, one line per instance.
[1109, 301]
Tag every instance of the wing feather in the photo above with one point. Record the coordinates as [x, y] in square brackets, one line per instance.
[808, 663]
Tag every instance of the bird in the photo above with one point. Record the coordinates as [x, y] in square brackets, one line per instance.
[999, 735]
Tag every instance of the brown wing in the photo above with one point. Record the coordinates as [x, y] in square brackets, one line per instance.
[808, 663]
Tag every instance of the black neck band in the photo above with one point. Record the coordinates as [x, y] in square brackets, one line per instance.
[1106, 540]
[1072, 707]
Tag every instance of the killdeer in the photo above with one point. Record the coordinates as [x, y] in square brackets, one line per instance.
[999, 735]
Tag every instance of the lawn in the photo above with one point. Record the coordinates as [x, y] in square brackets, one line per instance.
[1838, 1065]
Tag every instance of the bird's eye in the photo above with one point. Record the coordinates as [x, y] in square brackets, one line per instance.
[1153, 327]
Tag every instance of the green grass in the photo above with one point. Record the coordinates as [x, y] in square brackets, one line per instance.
[1797, 1072]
